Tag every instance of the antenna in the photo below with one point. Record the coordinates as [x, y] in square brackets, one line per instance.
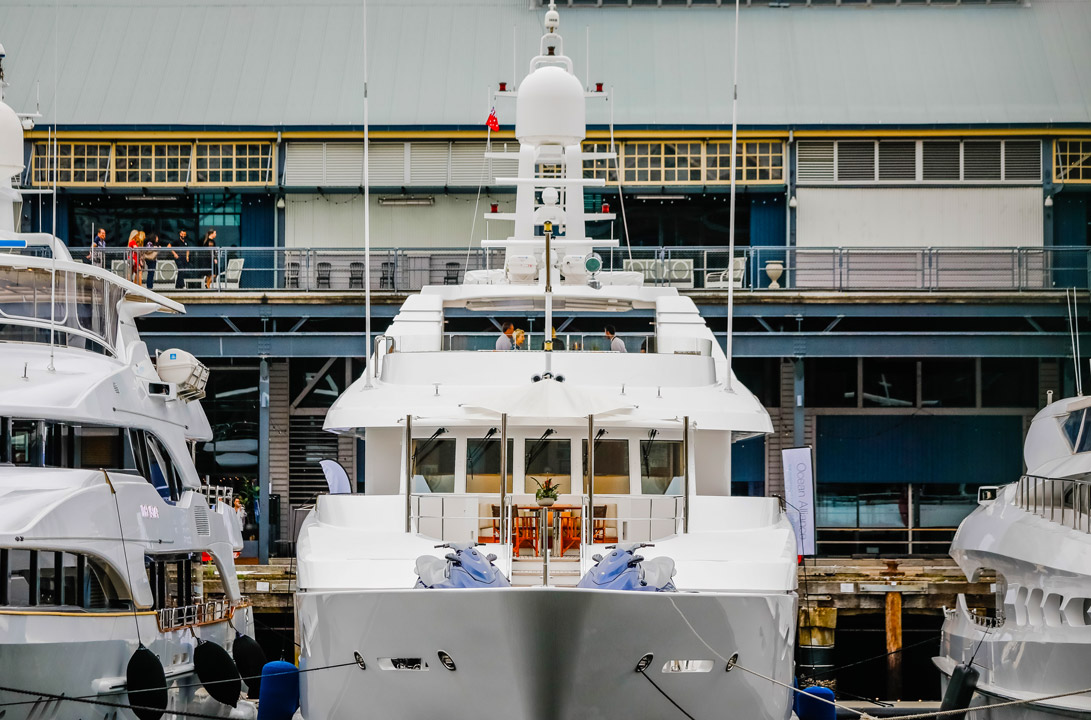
[368, 368]
[53, 229]
[1073, 337]
[731, 228]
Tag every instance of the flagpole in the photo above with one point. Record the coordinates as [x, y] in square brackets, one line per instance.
[371, 354]
[731, 227]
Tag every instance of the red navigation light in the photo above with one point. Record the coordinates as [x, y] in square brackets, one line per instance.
[495, 207]
[598, 87]
[503, 86]
[606, 207]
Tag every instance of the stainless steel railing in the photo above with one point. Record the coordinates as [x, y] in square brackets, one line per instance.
[1066, 501]
[173, 618]
[753, 269]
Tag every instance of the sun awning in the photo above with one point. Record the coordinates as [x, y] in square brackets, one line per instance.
[551, 399]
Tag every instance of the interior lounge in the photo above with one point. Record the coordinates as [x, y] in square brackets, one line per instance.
[636, 493]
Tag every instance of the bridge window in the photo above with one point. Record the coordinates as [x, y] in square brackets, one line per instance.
[33, 578]
[661, 467]
[434, 465]
[483, 465]
[611, 466]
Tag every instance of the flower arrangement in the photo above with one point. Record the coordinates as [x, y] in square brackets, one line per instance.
[547, 490]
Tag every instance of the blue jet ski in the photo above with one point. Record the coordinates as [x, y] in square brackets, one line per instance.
[623, 569]
[466, 567]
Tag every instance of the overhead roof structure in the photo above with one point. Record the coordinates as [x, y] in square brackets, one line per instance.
[236, 64]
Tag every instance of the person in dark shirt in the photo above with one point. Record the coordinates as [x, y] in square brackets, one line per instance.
[97, 256]
[151, 255]
[180, 254]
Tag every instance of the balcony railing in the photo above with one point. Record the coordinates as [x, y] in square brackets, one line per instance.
[754, 269]
[209, 611]
[1061, 500]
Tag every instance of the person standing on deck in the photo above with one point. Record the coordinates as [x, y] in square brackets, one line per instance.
[504, 341]
[180, 255]
[97, 256]
[616, 343]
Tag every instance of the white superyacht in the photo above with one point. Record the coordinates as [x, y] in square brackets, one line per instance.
[1035, 535]
[103, 521]
[696, 590]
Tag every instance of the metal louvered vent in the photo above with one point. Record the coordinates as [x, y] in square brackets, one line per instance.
[506, 167]
[941, 160]
[200, 514]
[1022, 160]
[898, 160]
[344, 164]
[469, 167]
[304, 164]
[386, 164]
[814, 162]
[981, 160]
[428, 164]
[308, 443]
[856, 160]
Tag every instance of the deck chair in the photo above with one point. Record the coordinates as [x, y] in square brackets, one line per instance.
[166, 275]
[120, 267]
[526, 533]
[324, 270]
[233, 275]
[356, 275]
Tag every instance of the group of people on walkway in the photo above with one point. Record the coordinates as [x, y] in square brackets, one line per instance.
[513, 338]
[145, 251]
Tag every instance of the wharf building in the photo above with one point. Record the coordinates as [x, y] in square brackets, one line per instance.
[914, 198]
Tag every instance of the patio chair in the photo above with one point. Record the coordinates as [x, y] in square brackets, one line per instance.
[450, 277]
[120, 267]
[233, 276]
[166, 275]
[386, 276]
[291, 275]
[526, 532]
[323, 271]
[356, 275]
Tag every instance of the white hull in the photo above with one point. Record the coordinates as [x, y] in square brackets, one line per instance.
[544, 653]
[86, 656]
[1019, 663]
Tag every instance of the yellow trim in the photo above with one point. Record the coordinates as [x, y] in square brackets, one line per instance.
[121, 135]
[1021, 132]
[78, 614]
[685, 134]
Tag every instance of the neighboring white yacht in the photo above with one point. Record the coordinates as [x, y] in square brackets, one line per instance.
[1035, 535]
[103, 521]
[639, 446]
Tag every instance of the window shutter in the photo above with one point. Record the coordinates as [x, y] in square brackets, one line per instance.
[344, 165]
[855, 160]
[941, 160]
[386, 164]
[814, 162]
[468, 168]
[1023, 160]
[304, 164]
[509, 167]
[981, 160]
[898, 160]
[428, 164]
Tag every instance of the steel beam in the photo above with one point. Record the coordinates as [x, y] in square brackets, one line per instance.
[264, 477]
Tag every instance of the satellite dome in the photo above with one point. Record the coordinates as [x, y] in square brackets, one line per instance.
[551, 109]
[11, 142]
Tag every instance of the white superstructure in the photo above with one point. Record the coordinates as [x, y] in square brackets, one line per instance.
[1036, 537]
[639, 444]
[103, 520]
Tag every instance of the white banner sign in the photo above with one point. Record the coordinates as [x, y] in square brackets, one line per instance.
[799, 493]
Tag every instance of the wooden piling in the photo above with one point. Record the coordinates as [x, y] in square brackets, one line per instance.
[894, 645]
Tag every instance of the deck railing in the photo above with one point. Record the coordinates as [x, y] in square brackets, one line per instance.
[1065, 501]
[754, 269]
[173, 618]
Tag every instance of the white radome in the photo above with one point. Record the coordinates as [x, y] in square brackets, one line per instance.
[11, 142]
[552, 108]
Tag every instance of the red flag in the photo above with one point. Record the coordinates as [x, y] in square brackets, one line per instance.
[492, 123]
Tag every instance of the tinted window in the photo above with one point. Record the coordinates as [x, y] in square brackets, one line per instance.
[611, 466]
[890, 382]
[948, 383]
[830, 382]
[1009, 382]
[661, 467]
[434, 465]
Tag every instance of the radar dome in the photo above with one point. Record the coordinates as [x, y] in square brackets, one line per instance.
[551, 109]
[11, 142]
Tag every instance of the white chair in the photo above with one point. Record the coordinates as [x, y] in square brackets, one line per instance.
[166, 275]
[718, 280]
[679, 272]
[120, 267]
[233, 274]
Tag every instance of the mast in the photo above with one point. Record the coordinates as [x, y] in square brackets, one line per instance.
[731, 228]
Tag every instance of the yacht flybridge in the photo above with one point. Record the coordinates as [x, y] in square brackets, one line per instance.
[103, 521]
[1035, 536]
[548, 532]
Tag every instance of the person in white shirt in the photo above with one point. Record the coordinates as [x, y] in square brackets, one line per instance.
[504, 341]
[616, 344]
